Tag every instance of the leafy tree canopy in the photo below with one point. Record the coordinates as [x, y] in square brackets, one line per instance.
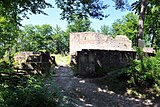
[79, 25]
[126, 26]
[105, 30]
[34, 38]
[8, 35]
[122, 4]
[15, 8]
[81, 8]
[44, 37]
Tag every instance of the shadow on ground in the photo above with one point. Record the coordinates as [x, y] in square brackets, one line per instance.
[94, 92]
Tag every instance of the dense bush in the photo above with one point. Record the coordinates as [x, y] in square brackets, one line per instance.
[33, 94]
[6, 63]
[145, 72]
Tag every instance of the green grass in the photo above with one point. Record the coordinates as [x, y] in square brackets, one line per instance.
[62, 60]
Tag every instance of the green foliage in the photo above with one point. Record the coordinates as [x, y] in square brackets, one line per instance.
[152, 21]
[79, 25]
[5, 66]
[9, 34]
[35, 38]
[105, 30]
[145, 72]
[63, 60]
[33, 94]
[143, 77]
[60, 40]
[81, 8]
[126, 26]
[152, 24]
[6, 63]
[14, 8]
[122, 4]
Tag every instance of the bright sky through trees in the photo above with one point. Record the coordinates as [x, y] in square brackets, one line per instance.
[53, 17]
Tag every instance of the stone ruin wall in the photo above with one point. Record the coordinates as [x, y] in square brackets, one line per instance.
[21, 57]
[92, 52]
[92, 40]
[36, 62]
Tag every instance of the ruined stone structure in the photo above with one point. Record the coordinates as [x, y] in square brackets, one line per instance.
[93, 62]
[37, 62]
[92, 40]
[92, 52]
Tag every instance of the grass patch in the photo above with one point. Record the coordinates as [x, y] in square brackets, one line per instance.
[62, 59]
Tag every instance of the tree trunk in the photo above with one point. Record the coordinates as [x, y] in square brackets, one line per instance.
[152, 40]
[141, 22]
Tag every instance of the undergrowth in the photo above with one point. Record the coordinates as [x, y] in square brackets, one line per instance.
[32, 91]
[143, 76]
[33, 94]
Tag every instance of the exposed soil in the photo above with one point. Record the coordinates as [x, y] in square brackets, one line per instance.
[86, 92]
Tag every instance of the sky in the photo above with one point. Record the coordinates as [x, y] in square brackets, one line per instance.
[54, 17]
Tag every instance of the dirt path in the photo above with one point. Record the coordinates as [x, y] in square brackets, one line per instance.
[85, 93]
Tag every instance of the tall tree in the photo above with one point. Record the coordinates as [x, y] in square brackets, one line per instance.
[105, 30]
[79, 25]
[44, 37]
[126, 26]
[60, 40]
[141, 19]
[152, 23]
[10, 12]
[146, 8]
[26, 40]
[143, 6]
[35, 38]
[8, 35]
[81, 8]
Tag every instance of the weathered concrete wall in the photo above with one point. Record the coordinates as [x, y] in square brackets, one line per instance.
[38, 62]
[86, 62]
[92, 51]
[92, 40]
[90, 62]
[148, 50]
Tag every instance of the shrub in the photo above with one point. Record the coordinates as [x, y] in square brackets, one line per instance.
[33, 94]
[145, 71]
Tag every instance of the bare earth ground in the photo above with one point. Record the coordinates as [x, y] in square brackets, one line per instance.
[83, 92]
